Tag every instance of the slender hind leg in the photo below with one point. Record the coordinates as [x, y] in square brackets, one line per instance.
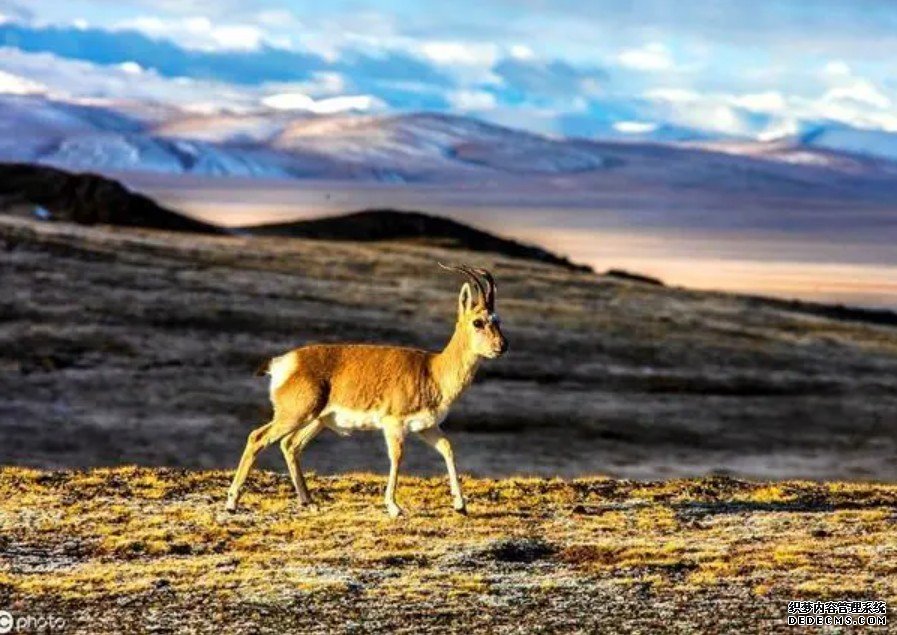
[258, 440]
[292, 446]
[435, 438]
[284, 422]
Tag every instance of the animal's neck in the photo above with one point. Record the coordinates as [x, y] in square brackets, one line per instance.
[454, 367]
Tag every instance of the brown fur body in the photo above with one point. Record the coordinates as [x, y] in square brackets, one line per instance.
[365, 378]
[390, 380]
[349, 387]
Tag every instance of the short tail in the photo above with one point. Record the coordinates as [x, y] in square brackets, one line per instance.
[263, 368]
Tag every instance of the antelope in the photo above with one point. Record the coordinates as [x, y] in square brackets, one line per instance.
[349, 387]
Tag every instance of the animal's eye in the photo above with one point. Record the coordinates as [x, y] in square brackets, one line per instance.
[478, 324]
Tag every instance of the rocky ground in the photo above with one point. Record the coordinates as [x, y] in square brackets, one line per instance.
[135, 346]
[152, 550]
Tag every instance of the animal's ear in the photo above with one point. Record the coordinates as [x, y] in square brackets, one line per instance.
[465, 298]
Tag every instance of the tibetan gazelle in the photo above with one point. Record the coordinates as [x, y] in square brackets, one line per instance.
[349, 387]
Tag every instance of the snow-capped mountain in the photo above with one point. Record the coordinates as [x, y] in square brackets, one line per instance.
[427, 144]
[93, 137]
[415, 147]
[276, 144]
[842, 138]
[824, 144]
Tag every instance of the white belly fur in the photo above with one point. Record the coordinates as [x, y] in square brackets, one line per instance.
[344, 421]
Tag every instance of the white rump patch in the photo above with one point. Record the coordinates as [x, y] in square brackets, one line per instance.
[281, 369]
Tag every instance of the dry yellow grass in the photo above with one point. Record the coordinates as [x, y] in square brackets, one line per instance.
[129, 549]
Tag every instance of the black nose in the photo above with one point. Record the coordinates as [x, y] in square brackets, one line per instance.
[504, 347]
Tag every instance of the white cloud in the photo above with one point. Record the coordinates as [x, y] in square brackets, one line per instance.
[362, 31]
[716, 117]
[16, 85]
[326, 83]
[277, 18]
[522, 52]
[852, 113]
[767, 102]
[131, 68]
[13, 11]
[331, 105]
[361, 103]
[85, 82]
[321, 84]
[63, 78]
[242, 37]
[673, 95]
[836, 68]
[198, 32]
[471, 100]
[650, 58]
[460, 53]
[848, 99]
[853, 99]
[780, 129]
[289, 101]
[635, 127]
[709, 112]
[470, 63]
[859, 90]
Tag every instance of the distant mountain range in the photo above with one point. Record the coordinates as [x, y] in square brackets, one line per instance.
[417, 147]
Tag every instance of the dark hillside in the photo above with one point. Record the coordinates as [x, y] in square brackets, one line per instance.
[390, 224]
[88, 199]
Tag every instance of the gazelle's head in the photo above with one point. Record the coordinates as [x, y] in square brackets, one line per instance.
[477, 320]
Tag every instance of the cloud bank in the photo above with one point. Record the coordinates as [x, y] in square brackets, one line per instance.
[610, 68]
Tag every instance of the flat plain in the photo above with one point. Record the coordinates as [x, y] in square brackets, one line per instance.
[153, 551]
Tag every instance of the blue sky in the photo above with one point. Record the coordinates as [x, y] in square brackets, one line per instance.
[719, 67]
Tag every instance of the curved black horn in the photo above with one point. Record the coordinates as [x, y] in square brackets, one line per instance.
[467, 271]
[490, 287]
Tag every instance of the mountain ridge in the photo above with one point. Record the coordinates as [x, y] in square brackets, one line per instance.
[390, 224]
[87, 199]
[407, 147]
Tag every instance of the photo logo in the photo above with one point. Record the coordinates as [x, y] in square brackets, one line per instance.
[30, 623]
[6, 621]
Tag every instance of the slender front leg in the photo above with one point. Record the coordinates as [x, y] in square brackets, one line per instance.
[435, 438]
[395, 442]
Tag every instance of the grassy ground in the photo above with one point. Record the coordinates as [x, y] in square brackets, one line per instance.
[142, 550]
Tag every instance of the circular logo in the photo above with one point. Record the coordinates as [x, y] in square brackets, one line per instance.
[5, 621]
